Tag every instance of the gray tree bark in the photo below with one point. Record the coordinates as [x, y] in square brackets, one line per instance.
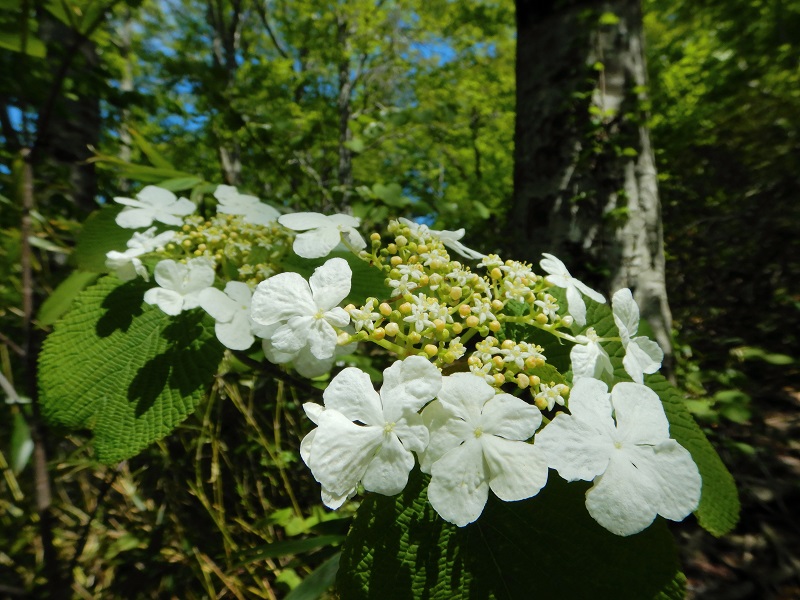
[585, 183]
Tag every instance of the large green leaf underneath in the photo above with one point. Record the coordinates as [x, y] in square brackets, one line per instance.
[719, 507]
[100, 234]
[547, 547]
[125, 370]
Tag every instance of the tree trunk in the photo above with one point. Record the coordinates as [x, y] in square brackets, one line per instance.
[585, 185]
[345, 167]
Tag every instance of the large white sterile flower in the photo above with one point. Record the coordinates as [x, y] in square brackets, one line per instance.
[128, 265]
[322, 233]
[180, 284]
[449, 238]
[366, 437]
[250, 208]
[588, 357]
[153, 204]
[621, 442]
[559, 276]
[297, 317]
[642, 355]
[231, 311]
[477, 444]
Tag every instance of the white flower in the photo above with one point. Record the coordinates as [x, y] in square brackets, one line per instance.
[251, 209]
[559, 276]
[364, 317]
[231, 311]
[322, 233]
[181, 284]
[589, 358]
[551, 395]
[378, 452]
[642, 355]
[448, 238]
[126, 264]
[621, 442]
[153, 204]
[477, 444]
[297, 317]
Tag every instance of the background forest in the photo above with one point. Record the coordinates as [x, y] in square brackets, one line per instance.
[446, 112]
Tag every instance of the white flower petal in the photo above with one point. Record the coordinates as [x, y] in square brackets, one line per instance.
[575, 305]
[344, 221]
[639, 413]
[621, 500]
[316, 243]
[590, 402]
[308, 365]
[307, 443]
[517, 470]
[321, 338]
[510, 417]
[466, 394]
[677, 478]
[412, 432]
[587, 291]
[217, 304]
[408, 385]
[574, 448]
[280, 298]
[642, 355]
[337, 317]
[589, 360]
[239, 292]
[303, 221]
[458, 489]
[355, 239]
[330, 283]
[334, 501]
[292, 337]
[235, 334]
[169, 301]
[388, 471]
[313, 411]
[156, 196]
[626, 314]
[342, 451]
[134, 218]
[447, 431]
[352, 394]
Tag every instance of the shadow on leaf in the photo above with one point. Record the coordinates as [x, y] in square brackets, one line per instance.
[121, 305]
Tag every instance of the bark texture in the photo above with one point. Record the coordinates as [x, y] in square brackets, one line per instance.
[585, 183]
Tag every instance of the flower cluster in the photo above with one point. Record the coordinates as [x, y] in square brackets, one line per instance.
[466, 394]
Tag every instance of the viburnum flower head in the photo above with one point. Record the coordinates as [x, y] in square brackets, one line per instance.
[153, 204]
[366, 437]
[477, 443]
[250, 208]
[559, 276]
[231, 311]
[642, 355]
[180, 284]
[449, 238]
[128, 265]
[297, 318]
[621, 442]
[322, 233]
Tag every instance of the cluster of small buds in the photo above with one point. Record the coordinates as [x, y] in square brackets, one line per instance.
[440, 308]
[244, 251]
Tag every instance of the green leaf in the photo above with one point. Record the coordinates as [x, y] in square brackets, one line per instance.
[100, 234]
[180, 183]
[125, 370]
[320, 580]
[547, 547]
[60, 300]
[21, 446]
[286, 548]
[356, 145]
[391, 195]
[149, 151]
[31, 45]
